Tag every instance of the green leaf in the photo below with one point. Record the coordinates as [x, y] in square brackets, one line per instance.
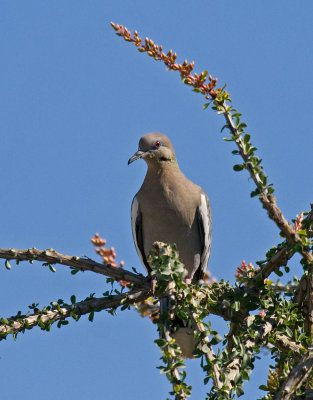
[289, 331]
[239, 391]
[74, 271]
[225, 127]
[255, 192]
[244, 375]
[7, 264]
[161, 342]
[246, 138]
[238, 167]
[245, 361]
[216, 339]
[278, 272]
[182, 315]
[236, 306]
[205, 348]
[52, 269]
[206, 105]
[237, 378]
[73, 299]
[91, 315]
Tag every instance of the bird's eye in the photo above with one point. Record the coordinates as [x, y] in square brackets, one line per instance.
[157, 144]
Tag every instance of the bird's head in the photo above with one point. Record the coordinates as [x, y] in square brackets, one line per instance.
[154, 148]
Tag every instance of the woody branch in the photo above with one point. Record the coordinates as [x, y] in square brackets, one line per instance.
[83, 264]
[48, 316]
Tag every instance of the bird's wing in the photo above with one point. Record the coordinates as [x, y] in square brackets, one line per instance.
[136, 220]
[205, 231]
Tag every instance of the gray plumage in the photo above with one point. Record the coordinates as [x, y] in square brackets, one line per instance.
[170, 208]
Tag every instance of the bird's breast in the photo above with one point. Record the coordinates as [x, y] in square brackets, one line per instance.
[165, 204]
[169, 216]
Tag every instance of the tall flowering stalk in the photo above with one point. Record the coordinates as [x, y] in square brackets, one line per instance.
[199, 82]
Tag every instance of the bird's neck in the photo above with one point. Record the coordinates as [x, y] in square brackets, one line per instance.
[162, 167]
[161, 173]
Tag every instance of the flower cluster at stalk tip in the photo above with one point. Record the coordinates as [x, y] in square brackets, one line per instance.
[169, 59]
[108, 255]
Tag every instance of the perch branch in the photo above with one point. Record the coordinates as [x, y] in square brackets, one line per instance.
[83, 264]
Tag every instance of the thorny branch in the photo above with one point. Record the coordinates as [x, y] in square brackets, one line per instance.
[83, 264]
[277, 260]
[53, 257]
[22, 322]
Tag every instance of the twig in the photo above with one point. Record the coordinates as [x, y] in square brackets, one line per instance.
[286, 345]
[276, 215]
[277, 260]
[283, 343]
[261, 332]
[239, 142]
[280, 288]
[304, 297]
[83, 264]
[22, 322]
[232, 331]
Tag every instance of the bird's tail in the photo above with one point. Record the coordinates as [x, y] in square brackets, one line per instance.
[177, 328]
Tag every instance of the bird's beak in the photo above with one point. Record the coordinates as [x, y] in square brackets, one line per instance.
[136, 156]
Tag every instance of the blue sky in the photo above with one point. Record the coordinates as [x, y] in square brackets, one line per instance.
[75, 99]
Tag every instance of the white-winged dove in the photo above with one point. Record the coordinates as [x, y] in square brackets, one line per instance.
[170, 208]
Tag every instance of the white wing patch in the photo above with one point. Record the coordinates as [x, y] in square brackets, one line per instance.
[135, 215]
[205, 214]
